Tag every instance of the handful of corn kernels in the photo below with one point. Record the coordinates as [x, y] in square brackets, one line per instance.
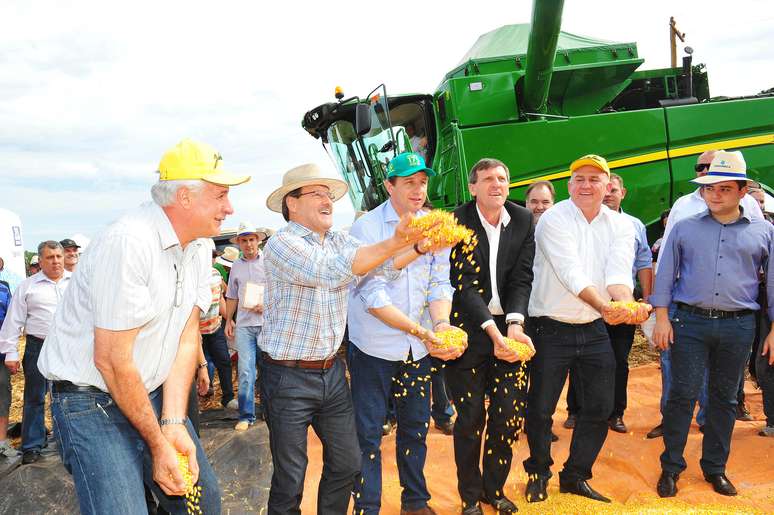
[193, 492]
[441, 227]
[452, 338]
[522, 350]
[632, 307]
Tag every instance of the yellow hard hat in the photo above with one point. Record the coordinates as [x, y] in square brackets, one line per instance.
[193, 160]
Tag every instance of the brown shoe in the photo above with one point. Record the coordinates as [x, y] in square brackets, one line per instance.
[617, 425]
[446, 428]
[427, 510]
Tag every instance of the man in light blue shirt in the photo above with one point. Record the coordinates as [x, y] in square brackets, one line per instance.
[387, 356]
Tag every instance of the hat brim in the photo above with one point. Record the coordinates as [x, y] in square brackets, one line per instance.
[222, 178]
[224, 262]
[714, 179]
[336, 186]
[415, 169]
[588, 162]
[235, 239]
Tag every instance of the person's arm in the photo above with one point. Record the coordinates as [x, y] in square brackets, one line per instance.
[768, 342]
[13, 326]
[645, 276]
[232, 303]
[518, 286]
[202, 373]
[669, 260]
[643, 261]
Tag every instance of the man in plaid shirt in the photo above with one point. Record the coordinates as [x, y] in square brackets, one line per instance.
[309, 271]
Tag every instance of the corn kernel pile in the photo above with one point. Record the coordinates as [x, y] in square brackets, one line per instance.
[193, 492]
[452, 338]
[522, 350]
[632, 306]
[441, 227]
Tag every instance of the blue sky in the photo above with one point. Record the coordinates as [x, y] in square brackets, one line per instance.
[92, 93]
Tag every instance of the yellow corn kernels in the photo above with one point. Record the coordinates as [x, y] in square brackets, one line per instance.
[193, 492]
[441, 226]
[452, 338]
[523, 350]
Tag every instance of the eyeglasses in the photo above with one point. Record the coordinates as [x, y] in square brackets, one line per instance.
[701, 167]
[319, 195]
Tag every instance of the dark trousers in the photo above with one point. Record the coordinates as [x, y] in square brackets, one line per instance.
[764, 372]
[621, 339]
[33, 413]
[294, 399]
[441, 409]
[505, 385]
[560, 348]
[721, 346]
[373, 382]
[216, 348]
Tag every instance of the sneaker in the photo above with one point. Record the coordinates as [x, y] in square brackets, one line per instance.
[766, 431]
[232, 404]
[7, 450]
[242, 425]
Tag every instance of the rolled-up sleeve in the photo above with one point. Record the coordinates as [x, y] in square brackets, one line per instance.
[203, 289]
[644, 256]
[119, 290]
[620, 260]
[557, 242]
[668, 262]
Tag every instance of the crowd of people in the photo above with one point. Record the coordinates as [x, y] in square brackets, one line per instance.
[125, 339]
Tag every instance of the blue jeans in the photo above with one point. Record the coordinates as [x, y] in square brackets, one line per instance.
[764, 371]
[721, 346]
[109, 460]
[247, 347]
[294, 399]
[666, 383]
[216, 351]
[33, 413]
[373, 381]
[441, 409]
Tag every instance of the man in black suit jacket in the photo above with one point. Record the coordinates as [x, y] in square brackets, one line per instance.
[489, 310]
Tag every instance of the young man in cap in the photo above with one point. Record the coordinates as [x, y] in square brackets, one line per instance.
[123, 347]
[246, 280]
[718, 255]
[491, 289]
[583, 262]
[71, 254]
[309, 272]
[389, 329]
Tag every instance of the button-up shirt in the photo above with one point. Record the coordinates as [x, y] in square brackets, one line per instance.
[572, 254]
[246, 271]
[424, 280]
[643, 256]
[716, 266]
[307, 289]
[133, 275]
[493, 237]
[32, 310]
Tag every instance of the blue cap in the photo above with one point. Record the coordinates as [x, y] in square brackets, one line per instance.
[408, 163]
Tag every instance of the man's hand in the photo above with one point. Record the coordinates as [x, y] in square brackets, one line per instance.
[229, 329]
[768, 347]
[257, 309]
[613, 314]
[516, 332]
[444, 353]
[165, 469]
[12, 366]
[501, 350]
[663, 336]
[202, 381]
[405, 234]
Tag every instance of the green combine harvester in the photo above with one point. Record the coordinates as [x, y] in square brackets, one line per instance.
[537, 98]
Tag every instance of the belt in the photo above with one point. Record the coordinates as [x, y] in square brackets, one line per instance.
[713, 313]
[318, 364]
[68, 387]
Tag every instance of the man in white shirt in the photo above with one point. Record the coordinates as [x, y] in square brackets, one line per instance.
[583, 261]
[32, 310]
[123, 347]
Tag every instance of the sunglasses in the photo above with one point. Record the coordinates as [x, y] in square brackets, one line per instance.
[701, 167]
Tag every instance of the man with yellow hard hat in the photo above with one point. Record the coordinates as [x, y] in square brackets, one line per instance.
[123, 347]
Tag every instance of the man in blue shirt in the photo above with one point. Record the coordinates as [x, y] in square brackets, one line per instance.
[709, 267]
[388, 327]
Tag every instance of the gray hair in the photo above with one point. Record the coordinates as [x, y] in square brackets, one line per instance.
[49, 244]
[163, 192]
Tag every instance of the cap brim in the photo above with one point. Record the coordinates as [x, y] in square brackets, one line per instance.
[226, 179]
[587, 162]
[411, 171]
[336, 186]
[714, 179]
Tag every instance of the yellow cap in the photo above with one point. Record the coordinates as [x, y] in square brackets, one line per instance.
[193, 160]
[594, 160]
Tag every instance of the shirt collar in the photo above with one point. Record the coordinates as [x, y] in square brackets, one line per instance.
[302, 231]
[167, 235]
[743, 215]
[505, 217]
[40, 277]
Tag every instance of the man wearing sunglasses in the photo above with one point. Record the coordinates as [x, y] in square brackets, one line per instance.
[685, 206]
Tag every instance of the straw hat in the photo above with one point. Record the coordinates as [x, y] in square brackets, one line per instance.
[300, 176]
[246, 228]
[230, 254]
[725, 166]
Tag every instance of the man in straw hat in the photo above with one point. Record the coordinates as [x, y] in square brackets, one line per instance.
[309, 271]
[244, 297]
[717, 255]
[123, 347]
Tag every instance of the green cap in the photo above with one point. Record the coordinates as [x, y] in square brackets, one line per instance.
[408, 163]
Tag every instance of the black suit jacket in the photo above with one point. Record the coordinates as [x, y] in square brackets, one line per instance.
[472, 282]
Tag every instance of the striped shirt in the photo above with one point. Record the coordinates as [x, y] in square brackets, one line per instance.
[307, 288]
[135, 274]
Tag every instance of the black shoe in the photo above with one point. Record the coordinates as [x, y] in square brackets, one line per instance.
[701, 429]
[582, 488]
[617, 425]
[445, 427]
[536, 489]
[656, 432]
[502, 504]
[742, 413]
[554, 438]
[570, 422]
[473, 509]
[667, 484]
[721, 484]
[30, 456]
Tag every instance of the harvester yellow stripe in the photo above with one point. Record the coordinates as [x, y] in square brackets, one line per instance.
[750, 141]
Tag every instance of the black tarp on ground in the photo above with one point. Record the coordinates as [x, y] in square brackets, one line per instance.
[242, 463]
